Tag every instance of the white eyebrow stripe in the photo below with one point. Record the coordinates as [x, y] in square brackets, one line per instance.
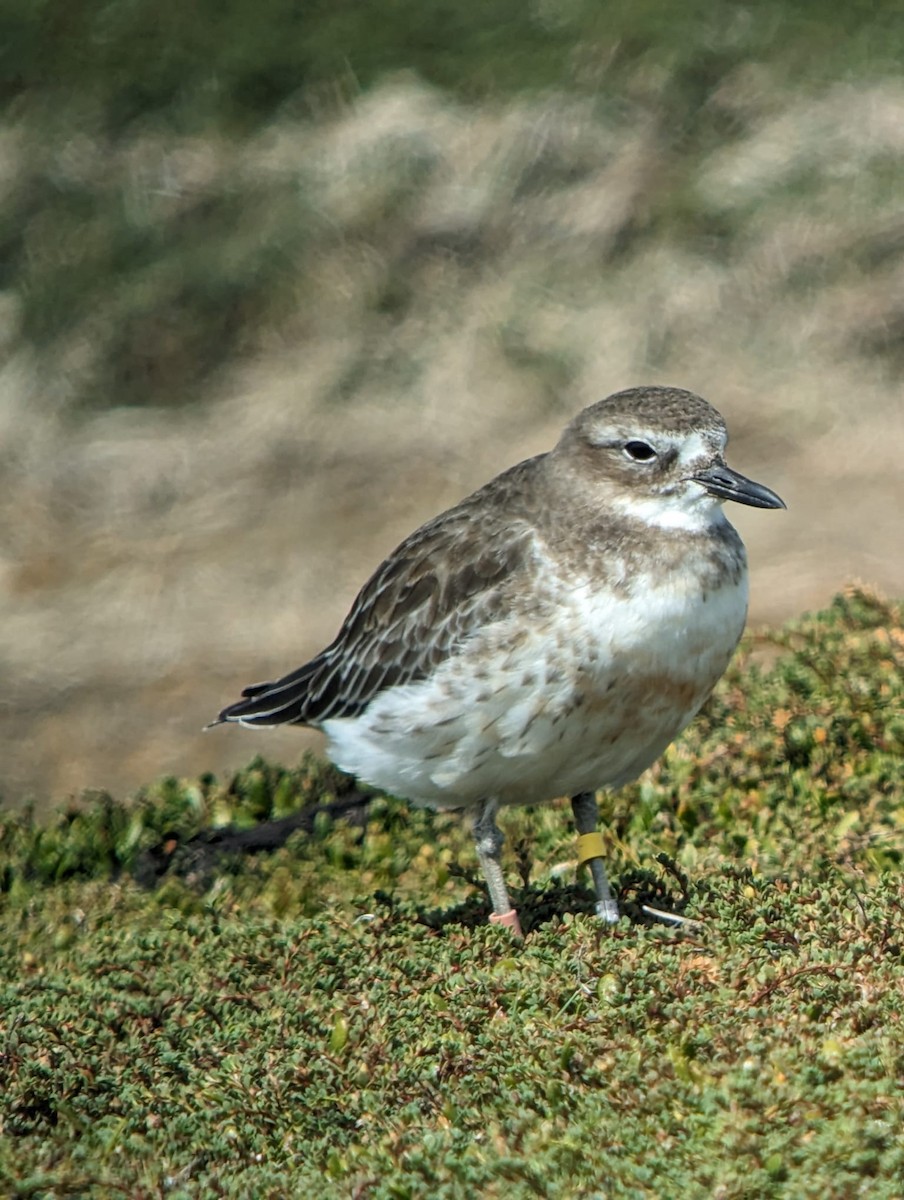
[690, 447]
[614, 436]
[694, 446]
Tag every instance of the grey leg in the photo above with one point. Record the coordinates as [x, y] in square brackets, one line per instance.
[590, 847]
[488, 839]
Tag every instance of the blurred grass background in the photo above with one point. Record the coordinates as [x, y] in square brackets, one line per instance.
[279, 281]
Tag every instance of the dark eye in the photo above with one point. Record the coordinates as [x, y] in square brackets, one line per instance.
[639, 451]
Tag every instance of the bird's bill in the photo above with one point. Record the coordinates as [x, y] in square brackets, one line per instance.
[720, 480]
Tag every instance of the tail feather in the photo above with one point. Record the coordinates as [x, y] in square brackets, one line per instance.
[279, 702]
[257, 689]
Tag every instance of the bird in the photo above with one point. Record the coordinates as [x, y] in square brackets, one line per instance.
[548, 636]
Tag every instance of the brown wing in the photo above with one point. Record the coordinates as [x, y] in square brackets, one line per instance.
[445, 581]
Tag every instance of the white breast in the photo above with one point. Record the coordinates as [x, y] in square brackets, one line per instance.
[586, 698]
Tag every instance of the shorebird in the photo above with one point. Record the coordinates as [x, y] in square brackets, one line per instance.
[548, 636]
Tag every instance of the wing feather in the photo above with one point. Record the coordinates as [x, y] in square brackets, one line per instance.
[450, 578]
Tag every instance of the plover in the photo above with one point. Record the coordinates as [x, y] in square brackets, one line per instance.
[548, 636]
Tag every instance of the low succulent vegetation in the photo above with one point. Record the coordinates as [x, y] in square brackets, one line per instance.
[333, 1017]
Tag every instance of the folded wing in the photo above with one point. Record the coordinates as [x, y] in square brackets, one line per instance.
[439, 587]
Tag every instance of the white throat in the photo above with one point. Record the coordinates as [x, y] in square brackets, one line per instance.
[693, 510]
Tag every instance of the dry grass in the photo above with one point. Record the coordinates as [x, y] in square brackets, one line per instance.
[470, 278]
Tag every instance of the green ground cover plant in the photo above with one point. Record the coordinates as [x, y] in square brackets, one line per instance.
[334, 1018]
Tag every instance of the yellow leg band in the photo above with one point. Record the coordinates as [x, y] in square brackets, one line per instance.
[590, 845]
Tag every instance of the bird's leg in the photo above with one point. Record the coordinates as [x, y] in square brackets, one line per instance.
[590, 850]
[488, 839]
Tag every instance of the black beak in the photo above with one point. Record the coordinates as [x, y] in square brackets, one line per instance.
[727, 484]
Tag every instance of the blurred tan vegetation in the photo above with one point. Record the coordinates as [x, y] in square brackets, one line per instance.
[260, 319]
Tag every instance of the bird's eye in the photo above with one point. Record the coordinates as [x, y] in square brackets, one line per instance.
[639, 451]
